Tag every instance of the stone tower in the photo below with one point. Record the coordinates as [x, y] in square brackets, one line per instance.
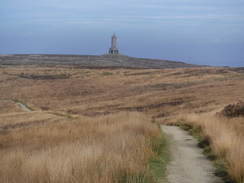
[114, 48]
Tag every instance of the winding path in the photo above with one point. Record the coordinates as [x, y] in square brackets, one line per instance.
[24, 107]
[188, 164]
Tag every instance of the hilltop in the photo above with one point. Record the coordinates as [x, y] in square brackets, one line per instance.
[107, 60]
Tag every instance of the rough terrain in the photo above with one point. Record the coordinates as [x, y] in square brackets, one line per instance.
[108, 60]
[60, 91]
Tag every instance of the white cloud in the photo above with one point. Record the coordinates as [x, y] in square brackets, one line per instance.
[180, 17]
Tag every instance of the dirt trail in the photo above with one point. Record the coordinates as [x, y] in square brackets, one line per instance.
[188, 164]
[24, 107]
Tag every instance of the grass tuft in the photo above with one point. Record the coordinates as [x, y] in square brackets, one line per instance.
[222, 141]
[158, 163]
[124, 147]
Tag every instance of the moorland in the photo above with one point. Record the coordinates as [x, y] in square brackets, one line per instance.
[95, 123]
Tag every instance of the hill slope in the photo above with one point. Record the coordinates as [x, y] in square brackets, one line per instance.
[91, 60]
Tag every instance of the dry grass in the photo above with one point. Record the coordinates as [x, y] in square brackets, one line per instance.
[107, 149]
[7, 106]
[226, 139]
[89, 92]
[39, 138]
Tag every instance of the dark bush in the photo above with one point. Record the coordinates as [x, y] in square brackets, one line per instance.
[234, 110]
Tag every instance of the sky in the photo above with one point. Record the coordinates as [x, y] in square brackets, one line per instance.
[206, 32]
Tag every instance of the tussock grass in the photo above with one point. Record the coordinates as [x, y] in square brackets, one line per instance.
[9, 106]
[57, 92]
[226, 140]
[92, 91]
[114, 148]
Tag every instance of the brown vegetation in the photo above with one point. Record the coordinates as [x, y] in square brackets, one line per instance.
[95, 92]
[233, 110]
[226, 139]
[114, 148]
[70, 119]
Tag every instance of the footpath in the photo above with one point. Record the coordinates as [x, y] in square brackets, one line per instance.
[188, 164]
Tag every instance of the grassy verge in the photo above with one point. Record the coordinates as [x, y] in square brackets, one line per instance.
[206, 142]
[158, 163]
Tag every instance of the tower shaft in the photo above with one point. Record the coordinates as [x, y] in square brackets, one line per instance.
[113, 48]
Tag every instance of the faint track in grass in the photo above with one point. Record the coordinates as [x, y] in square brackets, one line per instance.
[53, 117]
[24, 107]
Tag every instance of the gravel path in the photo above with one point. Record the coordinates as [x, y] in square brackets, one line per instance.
[188, 164]
[24, 107]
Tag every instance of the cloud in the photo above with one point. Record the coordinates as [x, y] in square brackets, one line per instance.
[220, 41]
[183, 15]
[28, 34]
[178, 17]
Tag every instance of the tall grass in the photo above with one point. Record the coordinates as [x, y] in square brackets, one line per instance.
[226, 140]
[115, 148]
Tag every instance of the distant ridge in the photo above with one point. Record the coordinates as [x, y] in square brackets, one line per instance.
[107, 60]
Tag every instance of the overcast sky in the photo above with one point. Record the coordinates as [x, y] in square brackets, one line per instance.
[209, 32]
